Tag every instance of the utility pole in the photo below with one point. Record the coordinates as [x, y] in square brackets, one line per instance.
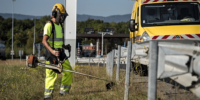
[12, 52]
[34, 37]
[104, 33]
[102, 44]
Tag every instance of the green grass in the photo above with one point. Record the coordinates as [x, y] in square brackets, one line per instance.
[17, 82]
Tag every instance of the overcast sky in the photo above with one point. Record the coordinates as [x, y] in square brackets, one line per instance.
[89, 7]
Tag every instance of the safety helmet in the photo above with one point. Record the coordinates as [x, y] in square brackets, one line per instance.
[60, 7]
[57, 9]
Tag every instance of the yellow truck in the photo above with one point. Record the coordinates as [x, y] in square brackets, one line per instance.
[164, 19]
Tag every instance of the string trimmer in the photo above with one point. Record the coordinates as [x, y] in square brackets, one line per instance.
[33, 62]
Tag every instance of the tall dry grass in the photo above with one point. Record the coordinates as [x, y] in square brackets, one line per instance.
[17, 82]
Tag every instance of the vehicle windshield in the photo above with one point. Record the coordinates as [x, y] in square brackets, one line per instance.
[170, 14]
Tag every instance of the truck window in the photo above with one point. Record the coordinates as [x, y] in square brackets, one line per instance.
[170, 14]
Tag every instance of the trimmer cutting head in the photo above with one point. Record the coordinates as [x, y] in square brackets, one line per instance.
[109, 85]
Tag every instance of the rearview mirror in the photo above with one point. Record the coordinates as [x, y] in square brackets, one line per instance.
[132, 25]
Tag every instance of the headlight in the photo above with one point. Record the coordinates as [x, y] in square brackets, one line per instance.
[145, 36]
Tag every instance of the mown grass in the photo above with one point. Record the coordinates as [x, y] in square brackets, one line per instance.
[17, 82]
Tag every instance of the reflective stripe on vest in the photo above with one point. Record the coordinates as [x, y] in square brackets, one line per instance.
[55, 39]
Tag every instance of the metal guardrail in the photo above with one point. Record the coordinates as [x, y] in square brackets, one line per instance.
[176, 59]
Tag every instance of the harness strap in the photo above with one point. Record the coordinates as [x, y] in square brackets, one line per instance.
[63, 34]
[52, 31]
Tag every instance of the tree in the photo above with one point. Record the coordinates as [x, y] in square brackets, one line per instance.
[20, 39]
[29, 43]
[24, 30]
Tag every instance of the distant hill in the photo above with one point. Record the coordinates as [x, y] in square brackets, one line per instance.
[19, 16]
[113, 18]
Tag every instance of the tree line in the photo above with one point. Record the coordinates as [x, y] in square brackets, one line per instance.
[24, 31]
[99, 26]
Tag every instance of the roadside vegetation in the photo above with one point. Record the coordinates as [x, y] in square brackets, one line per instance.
[17, 82]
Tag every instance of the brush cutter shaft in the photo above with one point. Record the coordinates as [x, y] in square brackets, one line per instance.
[85, 75]
[47, 66]
[33, 62]
[58, 68]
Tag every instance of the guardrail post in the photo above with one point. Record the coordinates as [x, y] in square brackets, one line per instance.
[118, 62]
[127, 80]
[89, 61]
[26, 60]
[77, 61]
[108, 63]
[98, 61]
[153, 61]
[112, 63]
[104, 61]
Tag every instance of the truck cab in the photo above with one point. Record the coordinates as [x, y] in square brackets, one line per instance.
[164, 19]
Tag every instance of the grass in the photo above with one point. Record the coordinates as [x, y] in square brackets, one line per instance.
[17, 82]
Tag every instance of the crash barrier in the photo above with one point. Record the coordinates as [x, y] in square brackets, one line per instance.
[176, 59]
[91, 60]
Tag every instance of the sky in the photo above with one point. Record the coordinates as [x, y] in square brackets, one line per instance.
[89, 7]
